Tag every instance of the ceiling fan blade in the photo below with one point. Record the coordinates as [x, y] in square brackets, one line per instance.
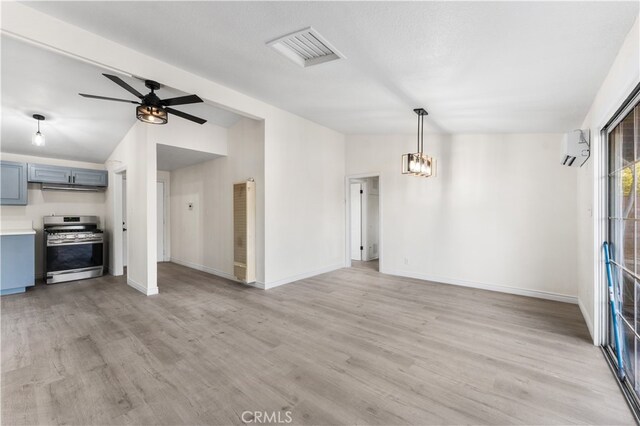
[186, 116]
[120, 82]
[181, 100]
[107, 99]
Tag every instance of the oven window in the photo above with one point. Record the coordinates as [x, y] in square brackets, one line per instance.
[73, 256]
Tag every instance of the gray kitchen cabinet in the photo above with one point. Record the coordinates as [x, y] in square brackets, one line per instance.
[42, 173]
[17, 261]
[89, 177]
[13, 183]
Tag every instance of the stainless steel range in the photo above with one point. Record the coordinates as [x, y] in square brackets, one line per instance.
[73, 248]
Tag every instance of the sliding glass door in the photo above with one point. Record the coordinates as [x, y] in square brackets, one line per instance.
[623, 137]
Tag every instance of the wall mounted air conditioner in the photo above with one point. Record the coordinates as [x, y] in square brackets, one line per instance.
[244, 231]
[575, 148]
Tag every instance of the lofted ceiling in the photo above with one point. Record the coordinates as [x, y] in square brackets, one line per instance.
[35, 80]
[174, 157]
[475, 66]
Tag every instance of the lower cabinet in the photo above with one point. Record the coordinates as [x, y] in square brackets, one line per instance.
[17, 263]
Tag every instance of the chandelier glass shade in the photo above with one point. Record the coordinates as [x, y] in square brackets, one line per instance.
[418, 163]
[38, 138]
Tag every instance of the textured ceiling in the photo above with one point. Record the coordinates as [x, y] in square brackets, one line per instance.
[475, 66]
[40, 81]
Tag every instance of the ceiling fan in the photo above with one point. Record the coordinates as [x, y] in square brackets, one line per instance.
[152, 109]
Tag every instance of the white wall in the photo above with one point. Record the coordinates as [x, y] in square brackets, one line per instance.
[165, 178]
[499, 214]
[206, 137]
[304, 177]
[202, 237]
[47, 203]
[623, 76]
[137, 153]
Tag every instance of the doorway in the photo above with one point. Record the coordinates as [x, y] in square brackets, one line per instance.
[119, 245]
[622, 138]
[125, 246]
[363, 218]
[161, 221]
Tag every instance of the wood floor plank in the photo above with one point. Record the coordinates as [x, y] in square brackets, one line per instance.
[349, 347]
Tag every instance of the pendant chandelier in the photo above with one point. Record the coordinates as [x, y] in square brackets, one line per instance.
[418, 163]
[38, 138]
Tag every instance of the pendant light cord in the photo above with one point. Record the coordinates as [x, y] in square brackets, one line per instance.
[420, 133]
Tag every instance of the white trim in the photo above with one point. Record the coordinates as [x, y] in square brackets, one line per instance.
[142, 289]
[347, 198]
[302, 276]
[116, 261]
[166, 181]
[214, 271]
[587, 318]
[596, 320]
[484, 286]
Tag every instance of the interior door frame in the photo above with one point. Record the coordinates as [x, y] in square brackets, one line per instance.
[347, 196]
[117, 263]
[360, 186]
[166, 181]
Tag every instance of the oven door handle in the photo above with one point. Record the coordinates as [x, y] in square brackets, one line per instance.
[75, 243]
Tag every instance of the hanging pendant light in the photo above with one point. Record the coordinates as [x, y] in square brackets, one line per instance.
[418, 163]
[38, 138]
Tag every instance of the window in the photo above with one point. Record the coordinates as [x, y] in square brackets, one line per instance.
[623, 138]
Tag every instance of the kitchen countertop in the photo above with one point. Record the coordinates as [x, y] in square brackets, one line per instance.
[25, 231]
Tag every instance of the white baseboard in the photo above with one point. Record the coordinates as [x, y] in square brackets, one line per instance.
[214, 271]
[587, 318]
[302, 276]
[142, 289]
[492, 287]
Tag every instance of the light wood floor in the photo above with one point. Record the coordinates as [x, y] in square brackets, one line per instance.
[368, 264]
[348, 347]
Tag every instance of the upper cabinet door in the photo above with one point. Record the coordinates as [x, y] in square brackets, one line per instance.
[13, 183]
[49, 174]
[89, 177]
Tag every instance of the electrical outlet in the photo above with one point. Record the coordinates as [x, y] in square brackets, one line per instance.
[406, 260]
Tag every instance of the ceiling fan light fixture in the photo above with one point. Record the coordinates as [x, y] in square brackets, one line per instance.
[152, 114]
[38, 138]
[152, 109]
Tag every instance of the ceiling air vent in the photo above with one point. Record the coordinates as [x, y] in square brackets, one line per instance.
[306, 48]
